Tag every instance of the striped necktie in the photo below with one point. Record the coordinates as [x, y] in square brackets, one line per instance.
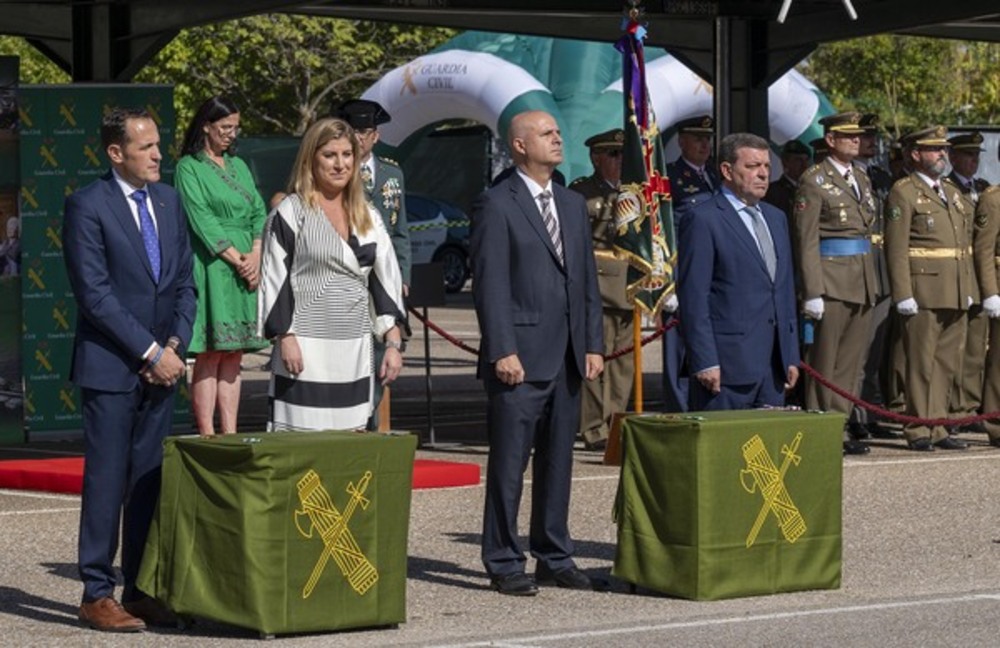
[551, 223]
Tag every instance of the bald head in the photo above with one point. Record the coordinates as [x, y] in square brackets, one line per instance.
[536, 144]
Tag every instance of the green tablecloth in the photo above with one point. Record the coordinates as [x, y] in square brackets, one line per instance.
[283, 532]
[721, 504]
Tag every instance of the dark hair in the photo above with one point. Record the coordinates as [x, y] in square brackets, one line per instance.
[733, 142]
[211, 111]
[114, 123]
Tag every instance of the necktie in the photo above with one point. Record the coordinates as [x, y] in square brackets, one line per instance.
[973, 194]
[940, 192]
[849, 176]
[704, 177]
[764, 241]
[551, 224]
[366, 178]
[148, 231]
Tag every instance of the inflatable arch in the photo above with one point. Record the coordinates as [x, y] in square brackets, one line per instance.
[489, 78]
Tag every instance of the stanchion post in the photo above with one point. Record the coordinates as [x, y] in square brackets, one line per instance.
[637, 358]
[427, 289]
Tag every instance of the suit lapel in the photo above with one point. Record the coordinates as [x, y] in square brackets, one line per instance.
[529, 209]
[733, 220]
[123, 214]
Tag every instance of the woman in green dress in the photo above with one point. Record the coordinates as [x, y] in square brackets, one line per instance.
[226, 216]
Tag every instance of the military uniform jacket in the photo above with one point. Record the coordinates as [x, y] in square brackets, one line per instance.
[971, 199]
[781, 194]
[826, 207]
[927, 245]
[388, 198]
[881, 181]
[687, 189]
[612, 273]
[986, 241]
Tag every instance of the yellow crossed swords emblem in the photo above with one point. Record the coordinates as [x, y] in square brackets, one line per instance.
[763, 476]
[331, 524]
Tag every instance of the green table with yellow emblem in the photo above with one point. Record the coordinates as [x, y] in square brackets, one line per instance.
[717, 505]
[283, 532]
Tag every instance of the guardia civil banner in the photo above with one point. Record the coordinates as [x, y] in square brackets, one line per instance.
[716, 505]
[285, 531]
[61, 152]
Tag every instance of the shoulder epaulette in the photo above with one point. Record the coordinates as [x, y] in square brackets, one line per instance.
[991, 189]
[389, 161]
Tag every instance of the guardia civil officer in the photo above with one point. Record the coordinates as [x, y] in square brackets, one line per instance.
[930, 268]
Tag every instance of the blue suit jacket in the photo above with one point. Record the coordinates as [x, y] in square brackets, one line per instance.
[526, 302]
[731, 311]
[120, 309]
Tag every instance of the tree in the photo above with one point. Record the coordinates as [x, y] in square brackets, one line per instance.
[283, 71]
[35, 66]
[908, 81]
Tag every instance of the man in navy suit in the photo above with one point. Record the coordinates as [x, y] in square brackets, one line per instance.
[539, 310]
[736, 289]
[129, 262]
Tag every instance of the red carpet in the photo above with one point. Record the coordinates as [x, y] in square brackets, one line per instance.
[65, 475]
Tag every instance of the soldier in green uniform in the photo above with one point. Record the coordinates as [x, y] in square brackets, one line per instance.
[986, 245]
[795, 158]
[610, 392]
[930, 268]
[967, 394]
[862, 423]
[834, 215]
[385, 189]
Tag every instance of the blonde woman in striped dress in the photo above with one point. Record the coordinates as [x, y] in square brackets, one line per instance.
[329, 283]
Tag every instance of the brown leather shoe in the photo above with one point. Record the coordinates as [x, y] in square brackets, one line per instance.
[107, 615]
[152, 611]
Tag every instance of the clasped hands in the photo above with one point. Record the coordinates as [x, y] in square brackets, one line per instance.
[509, 371]
[167, 371]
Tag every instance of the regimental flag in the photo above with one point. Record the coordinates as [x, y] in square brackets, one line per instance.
[643, 215]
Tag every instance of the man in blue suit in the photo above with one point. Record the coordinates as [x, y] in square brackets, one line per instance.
[736, 288]
[539, 310]
[129, 262]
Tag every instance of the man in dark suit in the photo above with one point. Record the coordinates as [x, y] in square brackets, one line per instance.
[384, 188]
[129, 262]
[692, 180]
[539, 310]
[736, 288]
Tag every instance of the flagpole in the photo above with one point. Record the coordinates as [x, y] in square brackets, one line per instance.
[637, 358]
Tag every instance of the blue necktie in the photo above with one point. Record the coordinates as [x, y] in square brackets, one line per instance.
[148, 231]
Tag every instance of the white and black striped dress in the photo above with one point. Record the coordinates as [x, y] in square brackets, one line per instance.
[333, 295]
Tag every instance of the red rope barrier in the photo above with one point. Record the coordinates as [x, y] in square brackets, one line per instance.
[663, 328]
[893, 416]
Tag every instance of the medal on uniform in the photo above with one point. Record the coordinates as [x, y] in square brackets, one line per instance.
[843, 215]
[930, 222]
[821, 179]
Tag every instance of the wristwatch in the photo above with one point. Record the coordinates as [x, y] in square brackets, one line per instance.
[399, 346]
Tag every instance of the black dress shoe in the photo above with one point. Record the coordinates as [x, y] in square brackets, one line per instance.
[568, 577]
[518, 584]
[857, 430]
[923, 444]
[995, 442]
[853, 447]
[951, 443]
[596, 446]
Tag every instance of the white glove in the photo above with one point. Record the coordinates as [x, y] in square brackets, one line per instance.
[969, 305]
[671, 304]
[907, 307]
[992, 306]
[813, 308]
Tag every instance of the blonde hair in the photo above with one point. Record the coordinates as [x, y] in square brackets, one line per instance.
[303, 182]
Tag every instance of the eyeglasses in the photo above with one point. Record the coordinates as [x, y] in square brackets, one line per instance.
[228, 129]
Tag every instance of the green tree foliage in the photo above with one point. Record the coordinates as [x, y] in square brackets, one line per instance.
[910, 81]
[35, 66]
[283, 71]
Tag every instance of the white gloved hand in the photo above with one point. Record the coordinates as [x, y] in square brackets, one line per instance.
[814, 308]
[969, 305]
[671, 304]
[907, 307]
[992, 306]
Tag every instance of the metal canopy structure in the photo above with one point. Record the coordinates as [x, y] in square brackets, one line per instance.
[737, 45]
